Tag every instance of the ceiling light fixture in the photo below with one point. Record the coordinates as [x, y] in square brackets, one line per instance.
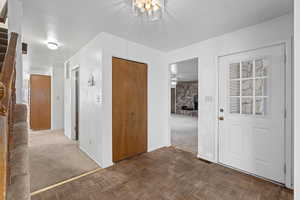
[173, 83]
[150, 9]
[174, 69]
[52, 45]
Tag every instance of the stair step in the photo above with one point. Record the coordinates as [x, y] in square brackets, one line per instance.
[3, 35]
[2, 55]
[3, 48]
[3, 30]
[3, 41]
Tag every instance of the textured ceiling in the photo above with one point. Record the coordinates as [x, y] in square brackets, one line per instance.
[72, 23]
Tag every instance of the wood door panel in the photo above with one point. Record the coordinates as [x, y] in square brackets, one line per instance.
[40, 102]
[129, 85]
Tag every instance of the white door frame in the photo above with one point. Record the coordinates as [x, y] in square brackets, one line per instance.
[288, 105]
[169, 99]
[73, 71]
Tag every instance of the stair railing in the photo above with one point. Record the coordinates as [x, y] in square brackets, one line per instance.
[7, 103]
[3, 13]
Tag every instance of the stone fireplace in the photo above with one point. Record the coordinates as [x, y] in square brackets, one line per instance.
[187, 98]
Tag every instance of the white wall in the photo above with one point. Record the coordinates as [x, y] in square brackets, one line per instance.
[67, 107]
[15, 13]
[2, 2]
[274, 31]
[57, 98]
[42, 71]
[297, 100]
[187, 70]
[95, 118]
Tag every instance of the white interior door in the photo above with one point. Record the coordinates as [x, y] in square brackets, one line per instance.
[252, 109]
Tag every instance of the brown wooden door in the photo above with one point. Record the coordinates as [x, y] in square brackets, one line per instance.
[40, 102]
[129, 108]
[173, 100]
[77, 105]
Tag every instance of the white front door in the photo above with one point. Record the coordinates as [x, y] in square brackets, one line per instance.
[251, 110]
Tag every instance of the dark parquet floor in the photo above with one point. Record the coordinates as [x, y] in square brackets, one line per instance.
[167, 174]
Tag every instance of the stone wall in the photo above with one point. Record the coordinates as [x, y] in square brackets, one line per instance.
[186, 94]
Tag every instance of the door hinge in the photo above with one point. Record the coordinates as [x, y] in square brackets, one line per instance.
[285, 113]
[285, 58]
[284, 169]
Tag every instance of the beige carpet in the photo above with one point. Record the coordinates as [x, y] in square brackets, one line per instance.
[54, 158]
[184, 133]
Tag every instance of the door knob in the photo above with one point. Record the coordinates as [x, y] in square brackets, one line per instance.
[221, 118]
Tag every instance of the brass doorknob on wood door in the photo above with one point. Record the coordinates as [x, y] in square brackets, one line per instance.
[221, 118]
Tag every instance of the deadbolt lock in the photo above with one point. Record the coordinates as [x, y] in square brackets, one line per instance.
[221, 118]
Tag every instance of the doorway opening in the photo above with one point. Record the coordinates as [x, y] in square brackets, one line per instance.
[184, 105]
[75, 104]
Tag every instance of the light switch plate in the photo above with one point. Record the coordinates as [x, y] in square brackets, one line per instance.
[208, 99]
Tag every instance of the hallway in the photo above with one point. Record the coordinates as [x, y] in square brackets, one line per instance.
[184, 133]
[54, 158]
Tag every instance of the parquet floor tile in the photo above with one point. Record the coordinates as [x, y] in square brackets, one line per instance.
[167, 174]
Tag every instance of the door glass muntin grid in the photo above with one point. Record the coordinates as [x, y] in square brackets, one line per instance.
[248, 87]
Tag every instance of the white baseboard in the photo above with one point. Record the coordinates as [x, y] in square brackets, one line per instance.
[156, 148]
[207, 158]
[57, 129]
[91, 157]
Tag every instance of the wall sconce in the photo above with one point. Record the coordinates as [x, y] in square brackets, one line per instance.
[91, 81]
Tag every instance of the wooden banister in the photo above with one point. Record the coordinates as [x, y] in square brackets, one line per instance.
[7, 72]
[2, 91]
[3, 13]
[7, 103]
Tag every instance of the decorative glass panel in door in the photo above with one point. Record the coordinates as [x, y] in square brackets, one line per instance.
[251, 117]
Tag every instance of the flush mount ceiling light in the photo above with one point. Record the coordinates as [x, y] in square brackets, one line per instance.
[52, 45]
[150, 9]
